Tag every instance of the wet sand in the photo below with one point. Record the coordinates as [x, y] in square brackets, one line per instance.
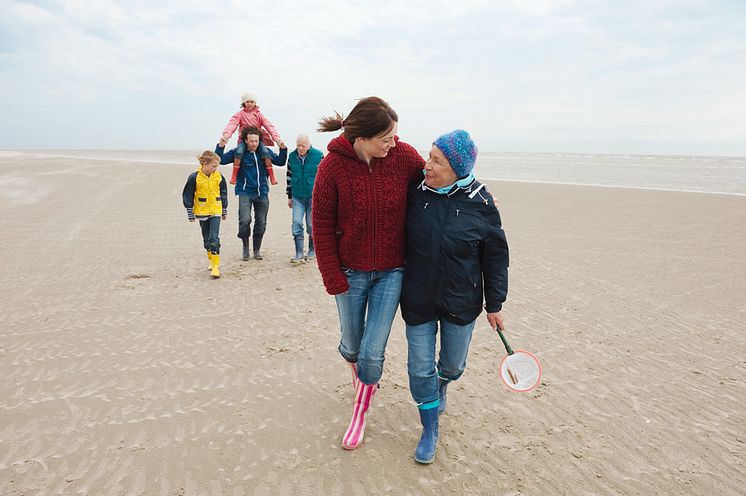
[127, 370]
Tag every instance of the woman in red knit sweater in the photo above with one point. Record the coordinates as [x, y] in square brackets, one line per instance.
[359, 212]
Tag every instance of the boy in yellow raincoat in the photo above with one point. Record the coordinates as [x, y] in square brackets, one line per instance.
[205, 198]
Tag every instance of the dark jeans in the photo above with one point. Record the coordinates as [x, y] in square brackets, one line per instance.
[211, 233]
[261, 208]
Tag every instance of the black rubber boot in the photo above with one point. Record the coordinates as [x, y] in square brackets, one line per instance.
[257, 248]
[245, 242]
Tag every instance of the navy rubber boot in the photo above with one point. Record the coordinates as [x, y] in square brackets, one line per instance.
[425, 452]
[442, 392]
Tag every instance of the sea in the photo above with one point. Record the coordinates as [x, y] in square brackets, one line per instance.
[690, 173]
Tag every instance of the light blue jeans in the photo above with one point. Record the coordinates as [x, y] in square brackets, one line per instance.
[301, 211]
[364, 337]
[421, 366]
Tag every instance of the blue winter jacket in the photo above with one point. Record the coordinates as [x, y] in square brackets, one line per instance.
[251, 180]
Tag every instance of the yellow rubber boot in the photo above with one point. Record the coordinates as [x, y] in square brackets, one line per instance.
[215, 273]
[209, 257]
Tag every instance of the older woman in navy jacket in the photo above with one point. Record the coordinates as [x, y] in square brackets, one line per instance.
[457, 260]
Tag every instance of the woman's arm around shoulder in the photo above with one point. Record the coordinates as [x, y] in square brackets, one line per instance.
[411, 158]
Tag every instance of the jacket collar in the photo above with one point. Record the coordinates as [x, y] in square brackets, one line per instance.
[465, 184]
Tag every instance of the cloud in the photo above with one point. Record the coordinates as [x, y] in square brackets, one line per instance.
[521, 75]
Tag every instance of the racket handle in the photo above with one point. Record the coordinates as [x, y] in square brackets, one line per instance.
[505, 342]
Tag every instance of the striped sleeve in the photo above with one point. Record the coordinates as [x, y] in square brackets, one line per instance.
[289, 187]
[187, 195]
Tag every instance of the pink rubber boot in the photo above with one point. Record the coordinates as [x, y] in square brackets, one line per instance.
[363, 396]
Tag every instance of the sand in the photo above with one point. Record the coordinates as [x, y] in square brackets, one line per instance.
[127, 370]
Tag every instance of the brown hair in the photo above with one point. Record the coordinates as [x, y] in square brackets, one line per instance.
[207, 156]
[371, 117]
[245, 131]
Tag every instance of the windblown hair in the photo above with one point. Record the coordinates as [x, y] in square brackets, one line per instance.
[245, 131]
[207, 156]
[371, 117]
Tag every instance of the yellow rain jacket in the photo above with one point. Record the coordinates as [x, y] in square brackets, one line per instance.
[205, 196]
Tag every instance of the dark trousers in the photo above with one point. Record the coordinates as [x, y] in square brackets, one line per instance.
[211, 233]
[260, 205]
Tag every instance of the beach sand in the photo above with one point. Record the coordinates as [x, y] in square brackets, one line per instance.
[127, 370]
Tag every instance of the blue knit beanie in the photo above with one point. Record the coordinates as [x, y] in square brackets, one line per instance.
[460, 151]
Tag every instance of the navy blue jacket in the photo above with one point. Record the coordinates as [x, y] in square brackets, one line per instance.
[457, 255]
[252, 175]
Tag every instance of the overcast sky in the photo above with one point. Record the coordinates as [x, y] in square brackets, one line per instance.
[568, 76]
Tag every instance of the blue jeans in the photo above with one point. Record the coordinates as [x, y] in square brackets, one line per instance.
[454, 347]
[211, 233]
[301, 210]
[261, 207]
[364, 338]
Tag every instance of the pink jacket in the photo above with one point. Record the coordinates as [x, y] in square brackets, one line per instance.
[253, 117]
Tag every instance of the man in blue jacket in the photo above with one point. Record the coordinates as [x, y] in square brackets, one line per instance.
[252, 188]
[303, 163]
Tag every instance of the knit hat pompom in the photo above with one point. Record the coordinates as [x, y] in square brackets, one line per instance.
[248, 96]
[460, 151]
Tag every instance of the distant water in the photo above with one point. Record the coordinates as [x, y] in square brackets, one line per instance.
[706, 174]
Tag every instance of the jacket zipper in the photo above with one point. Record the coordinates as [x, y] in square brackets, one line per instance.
[302, 170]
[375, 219]
[258, 186]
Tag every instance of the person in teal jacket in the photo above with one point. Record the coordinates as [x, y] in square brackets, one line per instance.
[303, 162]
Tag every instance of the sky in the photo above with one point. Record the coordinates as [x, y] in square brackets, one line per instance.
[648, 77]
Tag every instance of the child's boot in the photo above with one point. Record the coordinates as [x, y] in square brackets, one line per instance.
[236, 166]
[215, 272]
[270, 170]
[363, 396]
[425, 452]
[209, 257]
[298, 258]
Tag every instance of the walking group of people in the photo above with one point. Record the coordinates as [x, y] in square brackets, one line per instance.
[205, 193]
[389, 229]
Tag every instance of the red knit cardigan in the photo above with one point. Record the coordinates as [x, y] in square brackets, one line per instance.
[359, 210]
